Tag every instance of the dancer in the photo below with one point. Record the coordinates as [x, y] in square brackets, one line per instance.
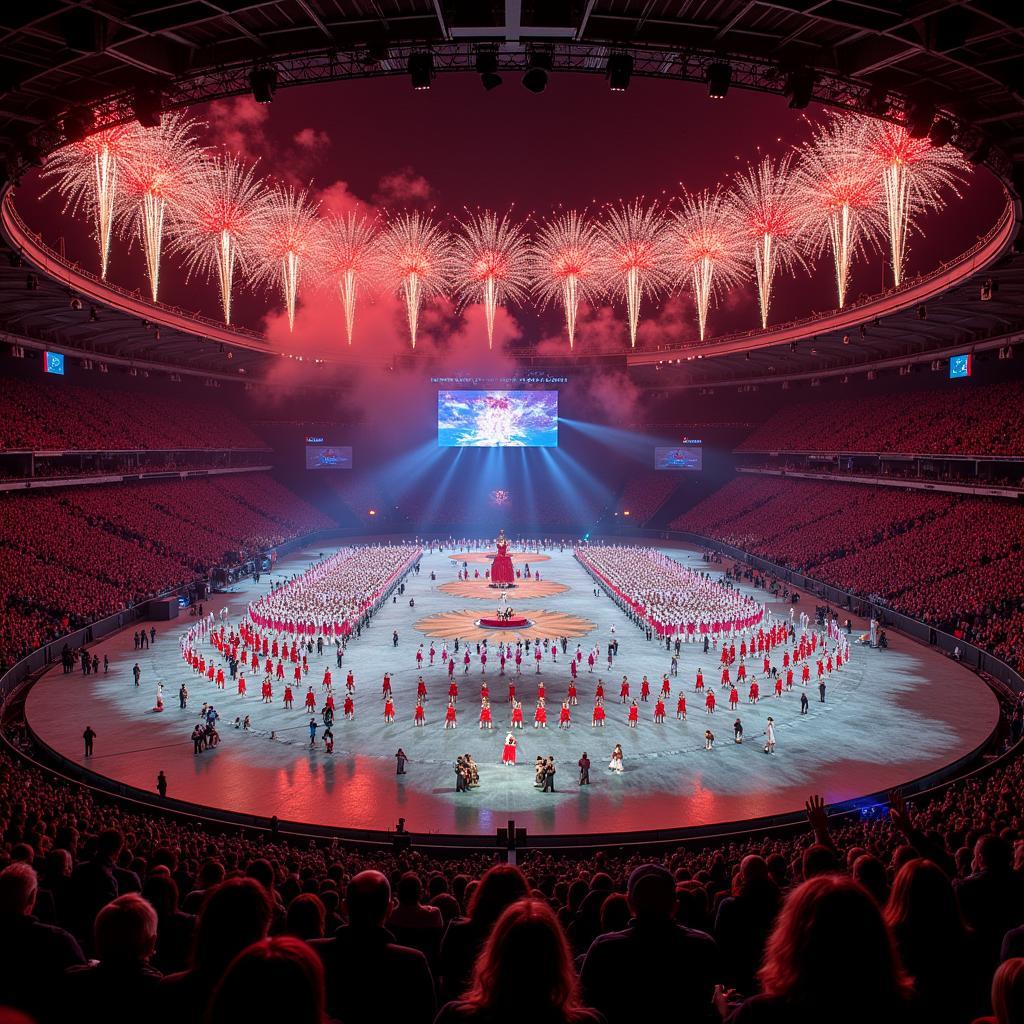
[645, 689]
[389, 712]
[564, 715]
[449, 716]
[634, 715]
[681, 707]
[485, 714]
[517, 715]
[737, 731]
[584, 766]
[659, 712]
[540, 715]
[288, 697]
[769, 747]
[624, 691]
[349, 708]
[418, 717]
[709, 739]
[508, 754]
[599, 715]
[709, 703]
[615, 764]
[573, 699]
[310, 700]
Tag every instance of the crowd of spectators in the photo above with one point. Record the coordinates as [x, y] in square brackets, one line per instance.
[51, 413]
[70, 556]
[644, 494]
[954, 561]
[961, 420]
[109, 913]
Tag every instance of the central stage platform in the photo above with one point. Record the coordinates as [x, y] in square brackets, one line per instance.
[890, 717]
[498, 622]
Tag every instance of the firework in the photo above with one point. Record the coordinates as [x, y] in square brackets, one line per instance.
[770, 219]
[156, 176]
[913, 173]
[87, 178]
[491, 264]
[839, 196]
[707, 247]
[221, 213]
[565, 265]
[634, 255]
[416, 258]
[286, 233]
[347, 258]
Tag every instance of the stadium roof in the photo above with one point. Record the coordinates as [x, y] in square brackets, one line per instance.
[963, 59]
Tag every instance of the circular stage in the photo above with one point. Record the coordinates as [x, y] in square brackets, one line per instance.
[890, 717]
[514, 622]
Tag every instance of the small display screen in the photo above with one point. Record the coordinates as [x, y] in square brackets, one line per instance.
[689, 456]
[960, 366]
[327, 456]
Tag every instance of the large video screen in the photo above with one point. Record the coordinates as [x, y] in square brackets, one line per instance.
[497, 419]
[327, 456]
[689, 456]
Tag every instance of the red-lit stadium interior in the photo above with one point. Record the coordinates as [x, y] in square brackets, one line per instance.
[593, 378]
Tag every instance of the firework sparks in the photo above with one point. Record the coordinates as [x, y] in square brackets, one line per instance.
[635, 256]
[839, 196]
[222, 211]
[770, 219]
[87, 178]
[416, 257]
[707, 247]
[913, 173]
[347, 258]
[491, 264]
[156, 176]
[565, 265]
[286, 234]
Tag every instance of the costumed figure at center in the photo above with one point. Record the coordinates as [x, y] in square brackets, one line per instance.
[502, 573]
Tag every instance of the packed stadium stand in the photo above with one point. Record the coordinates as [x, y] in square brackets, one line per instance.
[75, 555]
[969, 421]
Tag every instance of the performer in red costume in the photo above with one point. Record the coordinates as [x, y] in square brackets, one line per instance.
[508, 755]
[502, 573]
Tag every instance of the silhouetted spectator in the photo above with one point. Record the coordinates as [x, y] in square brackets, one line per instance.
[652, 936]
[33, 955]
[365, 968]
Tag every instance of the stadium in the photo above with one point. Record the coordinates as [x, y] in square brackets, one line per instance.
[497, 494]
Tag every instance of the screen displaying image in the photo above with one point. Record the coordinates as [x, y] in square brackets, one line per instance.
[681, 457]
[326, 456]
[497, 419]
[960, 366]
[53, 362]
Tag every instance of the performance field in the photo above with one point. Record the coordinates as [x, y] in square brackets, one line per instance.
[884, 717]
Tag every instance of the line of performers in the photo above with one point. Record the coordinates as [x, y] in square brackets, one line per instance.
[826, 651]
